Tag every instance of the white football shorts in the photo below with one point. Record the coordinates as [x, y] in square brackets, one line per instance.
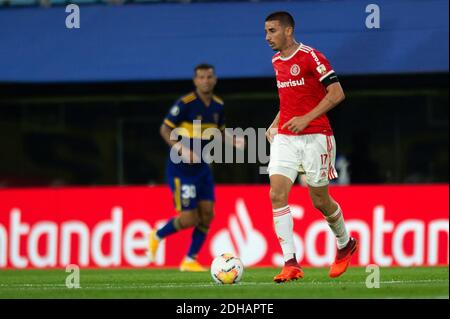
[311, 154]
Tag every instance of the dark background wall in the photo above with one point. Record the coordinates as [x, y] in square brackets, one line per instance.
[392, 129]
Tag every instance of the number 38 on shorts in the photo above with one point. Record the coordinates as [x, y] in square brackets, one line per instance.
[189, 189]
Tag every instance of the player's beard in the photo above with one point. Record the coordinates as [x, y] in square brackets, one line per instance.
[273, 46]
[207, 91]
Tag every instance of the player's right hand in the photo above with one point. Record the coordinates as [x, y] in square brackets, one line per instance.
[270, 133]
[189, 156]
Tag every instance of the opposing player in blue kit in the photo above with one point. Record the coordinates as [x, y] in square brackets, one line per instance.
[191, 180]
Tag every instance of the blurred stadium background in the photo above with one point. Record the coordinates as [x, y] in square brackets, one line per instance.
[82, 108]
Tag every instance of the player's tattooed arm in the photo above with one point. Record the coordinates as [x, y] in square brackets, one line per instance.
[335, 95]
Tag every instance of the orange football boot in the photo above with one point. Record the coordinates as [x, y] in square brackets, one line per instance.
[343, 258]
[289, 273]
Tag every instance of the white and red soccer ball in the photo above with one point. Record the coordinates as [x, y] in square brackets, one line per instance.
[227, 269]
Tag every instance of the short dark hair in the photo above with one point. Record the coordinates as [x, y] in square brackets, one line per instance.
[203, 66]
[284, 17]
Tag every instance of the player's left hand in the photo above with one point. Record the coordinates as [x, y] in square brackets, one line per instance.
[296, 124]
[239, 142]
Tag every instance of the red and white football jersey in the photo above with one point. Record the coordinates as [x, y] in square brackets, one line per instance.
[301, 80]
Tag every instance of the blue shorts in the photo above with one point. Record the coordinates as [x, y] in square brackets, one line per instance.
[189, 189]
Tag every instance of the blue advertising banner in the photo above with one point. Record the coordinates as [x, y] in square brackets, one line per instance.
[165, 41]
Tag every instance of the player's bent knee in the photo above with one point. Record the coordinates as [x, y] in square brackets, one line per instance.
[191, 223]
[188, 219]
[320, 203]
[207, 218]
[278, 196]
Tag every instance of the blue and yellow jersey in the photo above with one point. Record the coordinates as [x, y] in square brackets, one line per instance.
[190, 108]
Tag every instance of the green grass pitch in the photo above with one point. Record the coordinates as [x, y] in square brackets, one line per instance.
[414, 282]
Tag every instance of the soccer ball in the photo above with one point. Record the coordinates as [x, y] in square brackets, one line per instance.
[227, 269]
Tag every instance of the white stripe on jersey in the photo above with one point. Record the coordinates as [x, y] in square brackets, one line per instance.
[276, 58]
[324, 76]
[306, 47]
[293, 54]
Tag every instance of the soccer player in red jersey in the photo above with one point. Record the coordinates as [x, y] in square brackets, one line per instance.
[302, 140]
